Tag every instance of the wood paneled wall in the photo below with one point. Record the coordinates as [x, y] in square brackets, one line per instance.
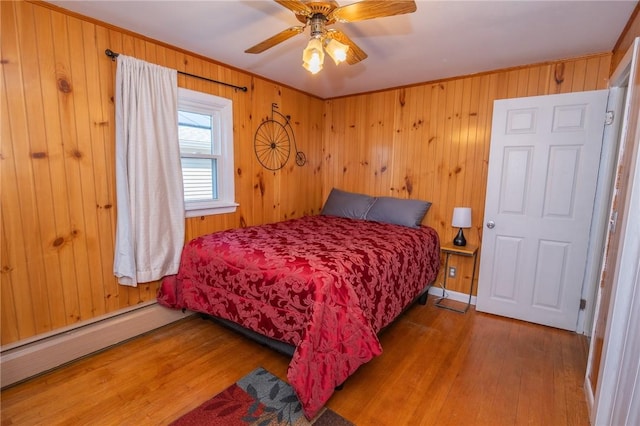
[431, 141]
[428, 141]
[57, 164]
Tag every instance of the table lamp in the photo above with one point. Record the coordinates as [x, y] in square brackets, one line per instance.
[461, 219]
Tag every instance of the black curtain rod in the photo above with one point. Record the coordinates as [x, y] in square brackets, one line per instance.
[113, 55]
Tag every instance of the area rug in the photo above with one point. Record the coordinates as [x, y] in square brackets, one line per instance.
[259, 399]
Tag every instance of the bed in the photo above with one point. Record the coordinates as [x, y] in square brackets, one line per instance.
[326, 285]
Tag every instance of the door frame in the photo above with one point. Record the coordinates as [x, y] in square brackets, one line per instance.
[601, 210]
[603, 406]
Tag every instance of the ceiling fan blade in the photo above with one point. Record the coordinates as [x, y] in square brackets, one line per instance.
[370, 9]
[278, 38]
[297, 7]
[354, 54]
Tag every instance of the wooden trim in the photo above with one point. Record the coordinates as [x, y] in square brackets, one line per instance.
[627, 27]
[479, 74]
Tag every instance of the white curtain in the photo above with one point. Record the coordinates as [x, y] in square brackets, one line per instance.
[149, 191]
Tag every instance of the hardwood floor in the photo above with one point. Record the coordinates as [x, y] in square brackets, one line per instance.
[438, 368]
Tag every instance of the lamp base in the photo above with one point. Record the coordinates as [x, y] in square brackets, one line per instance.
[459, 240]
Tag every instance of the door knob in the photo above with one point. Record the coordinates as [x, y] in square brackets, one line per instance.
[491, 224]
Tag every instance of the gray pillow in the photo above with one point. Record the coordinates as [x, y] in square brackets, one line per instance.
[398, 211]
[347, 204]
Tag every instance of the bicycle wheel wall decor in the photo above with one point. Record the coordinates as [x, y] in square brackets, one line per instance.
[272, 145]
[272, 142]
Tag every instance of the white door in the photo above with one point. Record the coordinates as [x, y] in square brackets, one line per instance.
[543, 169]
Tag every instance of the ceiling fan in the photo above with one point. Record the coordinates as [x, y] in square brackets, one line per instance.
[318, 15]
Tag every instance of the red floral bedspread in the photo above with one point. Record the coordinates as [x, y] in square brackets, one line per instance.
[324, 284]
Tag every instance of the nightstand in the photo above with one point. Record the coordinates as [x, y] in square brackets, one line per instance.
[449, 249]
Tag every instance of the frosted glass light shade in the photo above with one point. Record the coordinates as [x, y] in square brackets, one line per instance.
[336, 50]
[461, 217]
[313, 56]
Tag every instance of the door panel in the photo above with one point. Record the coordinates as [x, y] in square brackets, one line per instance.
[543, 168]
[515, 179]
[550, 270]
[560, 192]
[507, 258]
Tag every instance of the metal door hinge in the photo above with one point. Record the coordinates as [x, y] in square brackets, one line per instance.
[613, 221]
[608, 118]
[583, 304]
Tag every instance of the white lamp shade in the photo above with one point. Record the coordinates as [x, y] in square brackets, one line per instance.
[461, 217]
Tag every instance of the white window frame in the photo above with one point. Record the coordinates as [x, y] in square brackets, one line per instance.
[221, 109]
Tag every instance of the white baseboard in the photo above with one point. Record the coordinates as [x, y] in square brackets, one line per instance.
[452, 295]
[589, 397]
[26, 359]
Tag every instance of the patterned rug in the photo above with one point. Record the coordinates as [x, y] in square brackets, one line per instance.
[259, 399]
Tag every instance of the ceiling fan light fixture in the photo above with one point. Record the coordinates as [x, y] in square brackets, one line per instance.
[318, 15]
[337, 50]
[313, 56]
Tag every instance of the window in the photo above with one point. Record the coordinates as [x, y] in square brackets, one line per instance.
[205, 128]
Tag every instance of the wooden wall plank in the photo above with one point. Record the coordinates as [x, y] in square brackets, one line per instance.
[578, 78]
[13, 303]
[437, 206]
[104, 129]
[91, 167]
[99, 211]
[16, 191]
[8, 313]
[66, 304]
[25, 157]
[48, 278]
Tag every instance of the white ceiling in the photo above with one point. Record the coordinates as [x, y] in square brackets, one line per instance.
[441, 39]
